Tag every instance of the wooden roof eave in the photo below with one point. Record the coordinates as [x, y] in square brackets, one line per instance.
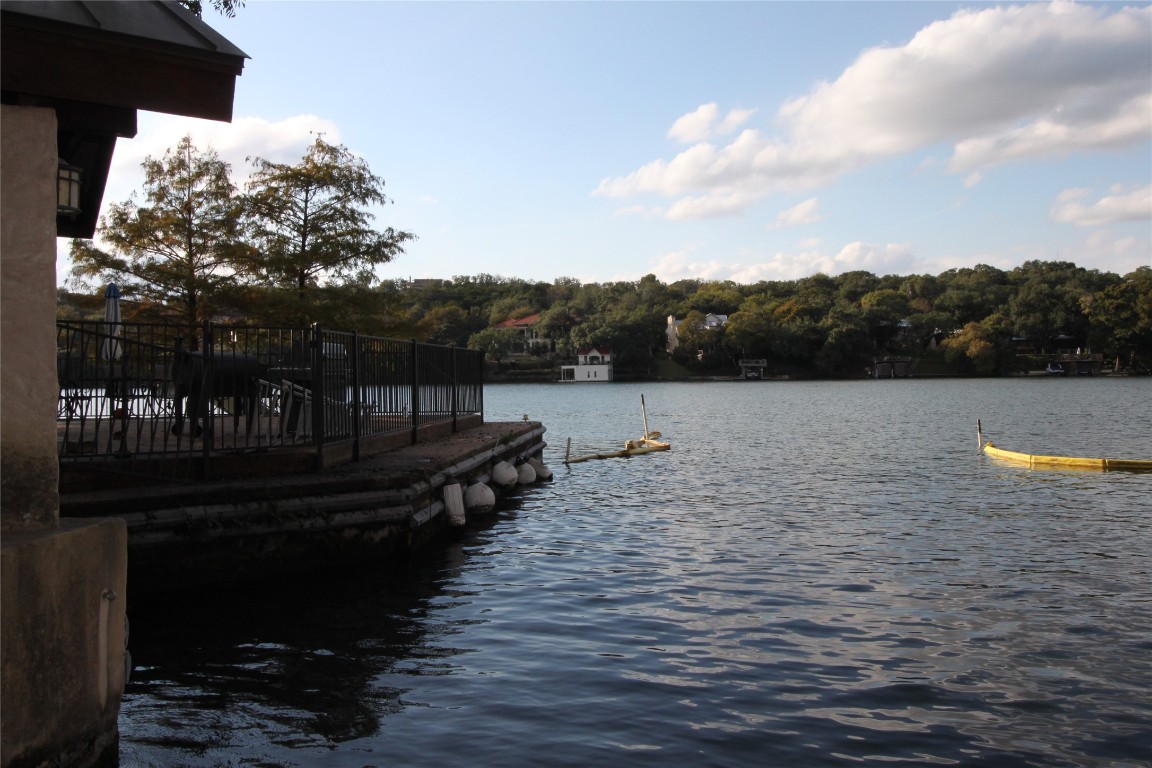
[118, 71]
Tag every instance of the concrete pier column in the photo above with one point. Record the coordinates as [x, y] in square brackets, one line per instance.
[62, 582]
[62, 647]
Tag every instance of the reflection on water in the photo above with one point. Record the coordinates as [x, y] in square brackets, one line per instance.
[816, 574]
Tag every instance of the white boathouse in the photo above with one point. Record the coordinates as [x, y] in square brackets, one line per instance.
[592, 364]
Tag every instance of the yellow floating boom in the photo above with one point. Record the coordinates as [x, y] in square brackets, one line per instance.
[1063, 462]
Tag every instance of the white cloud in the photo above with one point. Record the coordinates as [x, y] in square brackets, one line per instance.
[679, 265]
[694, 126]
[707, 206]
[1000, 84]
[806, 212]
[734, 120]
[1105, 250]
[890, 258]
[705, 122]
[284, 141]
[887, 259]
[1058, 133]
[1121, 204]
[642, 211]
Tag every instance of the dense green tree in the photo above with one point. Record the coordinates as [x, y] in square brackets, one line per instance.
[173, 251]
[750, 330]
[854, 285]
[1120, 319]
[556, 324]
[883, 312]
[309, 223]
[448, 324]
[693, 337]
[721, 298]
[983, 348]
[563, 289]
[924, 288]
[847, 344]
[496, 343]
[1047, 302]
[633, 334]
[970, 295]
[1042, 313]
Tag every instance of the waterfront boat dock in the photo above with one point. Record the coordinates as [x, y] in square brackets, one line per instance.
[260, 521]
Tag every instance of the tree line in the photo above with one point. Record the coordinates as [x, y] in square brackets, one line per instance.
[296, 246]
[975, 320]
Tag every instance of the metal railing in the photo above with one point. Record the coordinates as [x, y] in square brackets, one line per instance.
[163, 399]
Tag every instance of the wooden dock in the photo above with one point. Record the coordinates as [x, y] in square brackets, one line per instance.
[269, 523]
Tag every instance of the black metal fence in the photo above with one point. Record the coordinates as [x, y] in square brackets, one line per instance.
[143, 397]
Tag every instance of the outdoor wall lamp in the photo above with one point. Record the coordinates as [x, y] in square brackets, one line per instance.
[67, 189]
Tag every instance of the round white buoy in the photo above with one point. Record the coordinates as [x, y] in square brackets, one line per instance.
[479, 499]
[525, 475]
[542, 472]
[504, 474]
[454, 503]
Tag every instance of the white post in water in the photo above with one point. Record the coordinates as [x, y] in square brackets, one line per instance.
[644, 410]
[979, 436]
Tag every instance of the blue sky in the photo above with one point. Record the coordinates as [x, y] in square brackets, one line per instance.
[716, 140]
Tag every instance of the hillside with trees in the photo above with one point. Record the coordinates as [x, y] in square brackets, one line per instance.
[979, 321]
[297, 246]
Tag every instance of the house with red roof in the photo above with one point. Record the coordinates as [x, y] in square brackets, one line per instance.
[526, 327]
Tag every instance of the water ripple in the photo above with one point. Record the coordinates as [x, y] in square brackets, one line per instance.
[817, 575]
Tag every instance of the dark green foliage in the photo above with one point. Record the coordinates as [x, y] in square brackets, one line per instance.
[223, 7]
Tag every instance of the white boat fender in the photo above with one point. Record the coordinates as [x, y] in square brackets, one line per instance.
[542, 472]
[525, 475]
[504, 474]
[479, 498]
[454, 503]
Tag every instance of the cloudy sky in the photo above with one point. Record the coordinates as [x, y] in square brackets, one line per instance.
[716, 140]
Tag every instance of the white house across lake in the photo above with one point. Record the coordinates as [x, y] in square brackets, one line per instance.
[592, 364]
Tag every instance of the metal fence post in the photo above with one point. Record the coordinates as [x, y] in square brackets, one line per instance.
[317, 382]
[415, 390]
[455, 387]
[203, 408]
[355, 395]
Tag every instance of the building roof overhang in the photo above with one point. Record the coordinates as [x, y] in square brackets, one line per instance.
[97, 63]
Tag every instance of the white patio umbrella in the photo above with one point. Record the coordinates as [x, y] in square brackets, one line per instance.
[111, 347]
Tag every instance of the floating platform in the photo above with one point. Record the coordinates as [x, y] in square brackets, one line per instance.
[650, 443]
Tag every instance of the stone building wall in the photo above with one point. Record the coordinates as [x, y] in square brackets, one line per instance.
[29, 469]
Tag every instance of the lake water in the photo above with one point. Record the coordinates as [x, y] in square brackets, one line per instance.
[817, 574]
